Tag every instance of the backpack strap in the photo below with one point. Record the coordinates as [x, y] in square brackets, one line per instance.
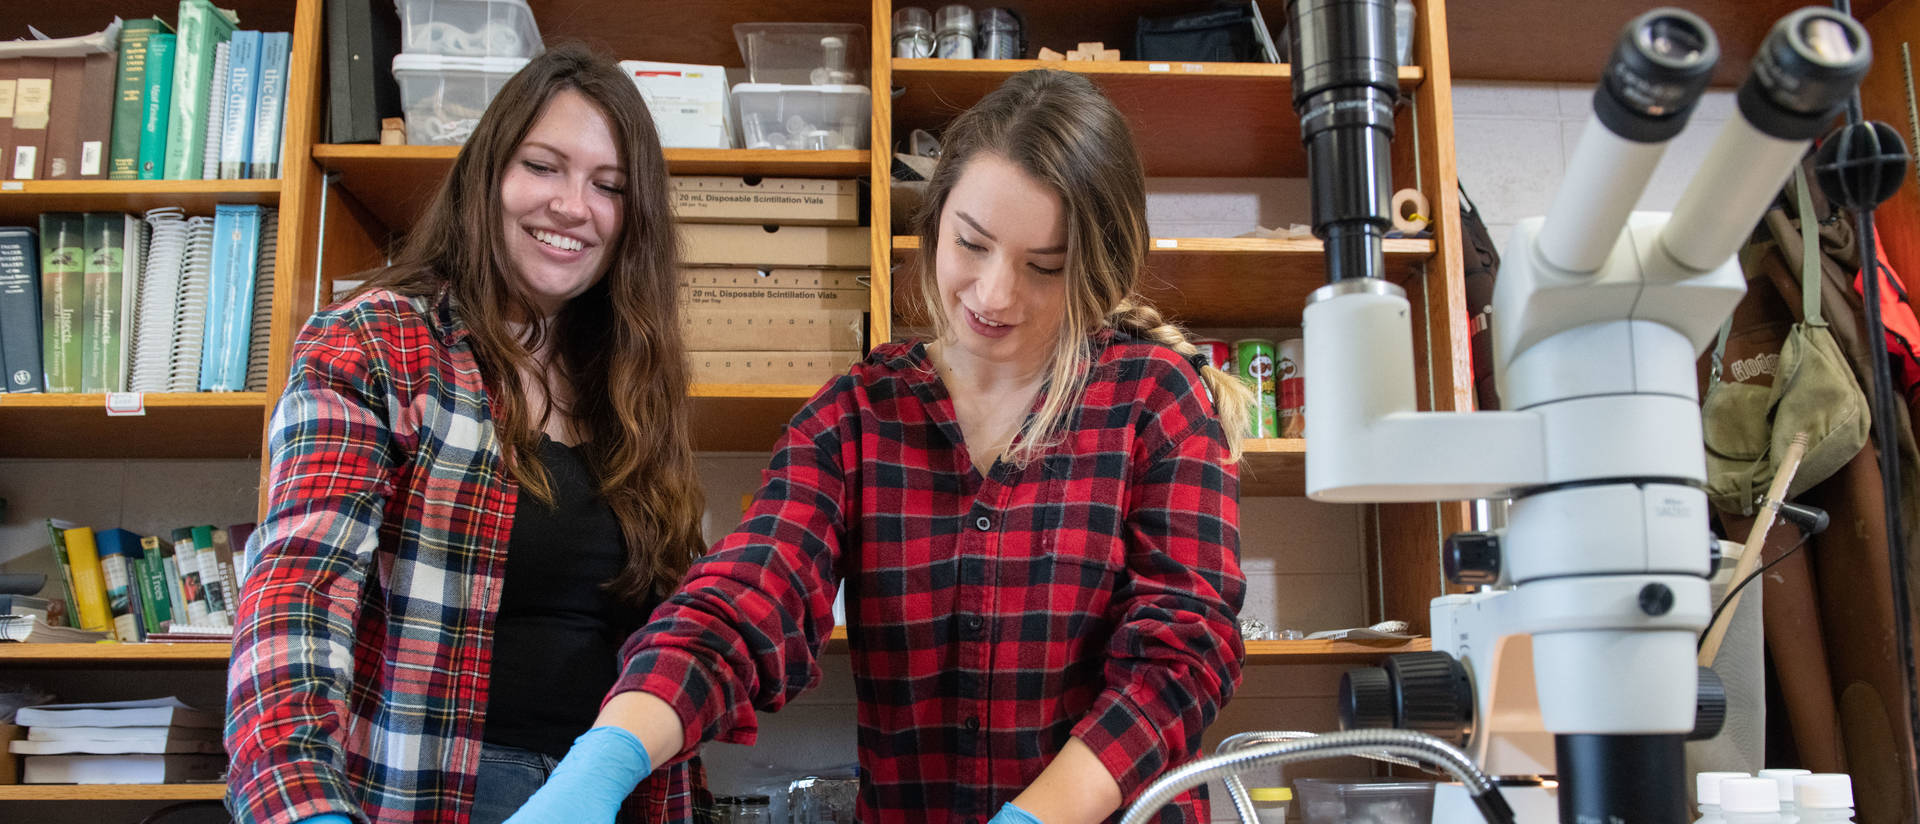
[1809, 252]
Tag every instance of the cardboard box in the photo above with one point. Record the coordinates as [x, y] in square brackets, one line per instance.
[802, 368]
[734, 330]
[786, 200]
[715, 244]
[791, 290]
[690, 104]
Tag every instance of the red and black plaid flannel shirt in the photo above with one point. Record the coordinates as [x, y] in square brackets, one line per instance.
[363, 643]
[1091, 594]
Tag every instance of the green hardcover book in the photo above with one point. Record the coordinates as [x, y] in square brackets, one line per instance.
[100, 338]
[129, 93]
[157, 106]
[158, 595]
[63, 260]
[202, 27]
[57, 540]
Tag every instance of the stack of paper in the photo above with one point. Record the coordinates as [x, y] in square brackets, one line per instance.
[33, 629]
[155, 741]
[159, 300]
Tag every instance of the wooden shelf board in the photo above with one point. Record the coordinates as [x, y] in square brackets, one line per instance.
[1213, 282]
[396, 182]
[143, 655]
[217, 425]
[24, 200]
[744, 417]
[1329, 652]
[113, 792]
[69, 18]
[1273, 467]
[1246, 107]
[1568, 40]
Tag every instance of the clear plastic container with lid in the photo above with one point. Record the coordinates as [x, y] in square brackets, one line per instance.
[1706, 793]
[803, 54]
[954, 33]
[1270, 803]
[1379, 801]
[469, 28]
[774, 116]
[1750, 800]
[443, 97]
[1824, 798]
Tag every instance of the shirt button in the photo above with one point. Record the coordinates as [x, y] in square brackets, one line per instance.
[983, 523]
[973, 723]
[975, 622]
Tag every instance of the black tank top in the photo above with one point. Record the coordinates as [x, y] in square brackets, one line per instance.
[556, 641]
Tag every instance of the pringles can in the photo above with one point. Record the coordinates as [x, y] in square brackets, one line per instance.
[1219, 356]
[1289, 372]
[1253, 362]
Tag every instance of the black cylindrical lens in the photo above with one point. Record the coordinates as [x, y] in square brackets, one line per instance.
[1624, 778]
[1659, 67]
[1345, 82]
[1804, 72]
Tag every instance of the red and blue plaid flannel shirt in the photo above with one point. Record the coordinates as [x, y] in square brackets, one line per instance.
[362, 646]
[1091, 594]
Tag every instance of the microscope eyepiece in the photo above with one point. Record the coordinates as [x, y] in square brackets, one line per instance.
[1804, 72]
[1659, 67]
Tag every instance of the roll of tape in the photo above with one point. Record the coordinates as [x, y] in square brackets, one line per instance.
[1410, 221]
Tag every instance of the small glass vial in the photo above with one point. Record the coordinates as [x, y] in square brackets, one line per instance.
[954, 38]
[912, 32]
[1750, 801]
[1000, 35]
[1784, 778]
[752, 809]
[1270, 803]
[1706, 792]
[1824, 798]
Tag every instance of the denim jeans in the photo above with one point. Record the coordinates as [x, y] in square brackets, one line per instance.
[508, 777]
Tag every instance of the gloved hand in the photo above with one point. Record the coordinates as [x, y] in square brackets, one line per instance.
[327, 818]
[588, 787]
[1010, 814]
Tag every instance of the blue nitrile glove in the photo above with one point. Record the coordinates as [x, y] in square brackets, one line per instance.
[1010, 814]
[327, 818]
[591, 782]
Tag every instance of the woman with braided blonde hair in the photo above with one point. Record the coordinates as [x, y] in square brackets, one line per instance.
[1035, 515]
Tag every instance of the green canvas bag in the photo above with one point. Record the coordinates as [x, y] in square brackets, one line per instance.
[1748, 426]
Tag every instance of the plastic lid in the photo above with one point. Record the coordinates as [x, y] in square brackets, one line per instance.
[1706, 786]
[1749, 795]
[1270, 794]
[955, 17]
[1784, 777]
[1823, 791]
[446, 63]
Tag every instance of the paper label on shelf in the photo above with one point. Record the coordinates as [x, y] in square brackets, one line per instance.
[12, 186]
[1193, 67]
[123, 404]
[1159, 67]
[1166, 243]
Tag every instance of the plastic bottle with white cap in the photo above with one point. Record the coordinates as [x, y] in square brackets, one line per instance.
[1784, 777]
[1750, 801]
[1706, 792]
[1824, 798]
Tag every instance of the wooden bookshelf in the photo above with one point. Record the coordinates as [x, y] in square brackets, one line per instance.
[111, 655]
[1209, 282]
[23, 200]
[113, 792]
[395, 182]
[176, 425]
[735, 417]
[1272, 467]
[1178, 111]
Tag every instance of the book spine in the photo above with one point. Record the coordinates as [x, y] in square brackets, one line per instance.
[202, 27]
[20, 338]
[159, 594]
[63, 124]
[157, 107]
[57, 541]
[236, 255]
[63, 255]
[96, 114]
[32, 101]
[100, 301]
[9, 88]
[176, 600]
[129, 95]
[126, 287]
[243, 78]
[89, 581]
[270, 119]
[209, 562]
[192, 586]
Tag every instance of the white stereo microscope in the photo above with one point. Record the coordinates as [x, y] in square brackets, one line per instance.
[1576, 661]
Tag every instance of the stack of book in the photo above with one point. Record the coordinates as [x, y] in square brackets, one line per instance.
[110, 302]
[138, 101]
[158, 741]
[139, 588]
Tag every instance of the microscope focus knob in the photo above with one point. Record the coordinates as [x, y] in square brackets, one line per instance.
[1366, 699]
[1435, 695]
[1472, 558]
[1709, 707]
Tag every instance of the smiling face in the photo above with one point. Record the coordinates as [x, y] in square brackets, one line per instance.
[562, 201]
[1001, 264]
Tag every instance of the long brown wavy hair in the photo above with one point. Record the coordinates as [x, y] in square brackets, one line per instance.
[1059, 128]
[617, 346]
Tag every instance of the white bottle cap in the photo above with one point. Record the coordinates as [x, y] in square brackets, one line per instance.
[1706, 785]
[1784, 777]
[1749, 795]
[1823, 791]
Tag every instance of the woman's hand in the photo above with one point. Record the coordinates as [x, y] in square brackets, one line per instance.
[591, 782]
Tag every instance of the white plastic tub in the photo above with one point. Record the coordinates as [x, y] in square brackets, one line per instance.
[773, 116]
[468, 28]
[443, 97]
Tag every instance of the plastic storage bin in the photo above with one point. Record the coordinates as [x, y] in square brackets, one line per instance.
[468, 28]
[774, 116]
[443, 97]
[803, 54]
[1360, 801]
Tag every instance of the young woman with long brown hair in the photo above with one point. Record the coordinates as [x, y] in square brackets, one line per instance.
[482, 481]
[1035, 514]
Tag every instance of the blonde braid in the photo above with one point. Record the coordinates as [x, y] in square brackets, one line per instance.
[1232, 398]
